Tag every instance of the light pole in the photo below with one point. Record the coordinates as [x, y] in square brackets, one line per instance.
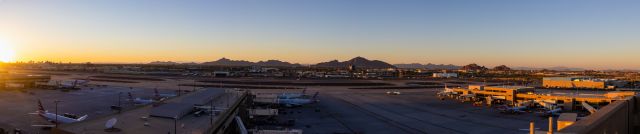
[56, 102]
[227, 95]
[211, 112]
[119, 102]
[175, 124]
[119, 96]
[179, 89]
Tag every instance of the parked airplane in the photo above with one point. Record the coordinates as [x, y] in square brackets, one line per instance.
[72, 84]
[550, 108]
[446, 92]
[519, 108]
[294, 102]
[551, 112]
[294, 95]
[65, 118]
[512, 110]
[140, 101]
[393, 92]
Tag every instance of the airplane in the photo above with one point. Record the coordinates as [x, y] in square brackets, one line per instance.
[393, 93]
[446, 92]
[294, 95]
[295, 102]
[140, 101]
[516, 110]
[550, 109]
[159, 95]
[511, 110]
[72, 84]
[551, 112]
[65, 118]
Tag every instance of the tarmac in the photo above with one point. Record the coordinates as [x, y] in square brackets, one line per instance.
[341, 110]
[414, 111]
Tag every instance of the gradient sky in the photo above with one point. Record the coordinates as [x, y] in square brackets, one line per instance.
[598, 34]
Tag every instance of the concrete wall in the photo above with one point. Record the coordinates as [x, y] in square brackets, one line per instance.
[620, 117]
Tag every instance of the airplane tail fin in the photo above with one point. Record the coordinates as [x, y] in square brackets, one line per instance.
[315, 96]
[130, 96]
[40, 107]
[75, 83]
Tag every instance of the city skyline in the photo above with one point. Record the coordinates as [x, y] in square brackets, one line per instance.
[585, 34]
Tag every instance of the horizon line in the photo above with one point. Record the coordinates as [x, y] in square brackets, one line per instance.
[304, 64]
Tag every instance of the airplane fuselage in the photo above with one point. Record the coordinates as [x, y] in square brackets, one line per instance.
[142, 101]
[61, 119]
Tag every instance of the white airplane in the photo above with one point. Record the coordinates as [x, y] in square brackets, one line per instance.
[65, 118]
[159, 95]
[446, 91]
[72, 84]
[550, 108]
[512, 110]
[294, 95]
[519, 108]
[294, 102]
[551, 112]
[393, 92]
[140, 101]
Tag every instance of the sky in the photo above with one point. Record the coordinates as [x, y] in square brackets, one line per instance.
[594, 34]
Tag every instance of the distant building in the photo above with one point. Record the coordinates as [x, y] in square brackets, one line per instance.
[221, 74]
[504, 92]
[445, 75]
[576, 82]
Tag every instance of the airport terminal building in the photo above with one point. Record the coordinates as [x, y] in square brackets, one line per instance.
[576, 82]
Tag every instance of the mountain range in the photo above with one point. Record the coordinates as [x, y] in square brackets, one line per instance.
[358, 62]
[163, 63]
[427, 66]
[229, 62]
[560, 68]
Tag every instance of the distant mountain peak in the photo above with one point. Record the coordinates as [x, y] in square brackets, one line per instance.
[228, 62]
[163, 63]
[359, 59]
[360, 62]
[428, 66]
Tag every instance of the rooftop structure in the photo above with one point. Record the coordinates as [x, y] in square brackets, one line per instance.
[576, 82]
[518, 93]
[141, 119]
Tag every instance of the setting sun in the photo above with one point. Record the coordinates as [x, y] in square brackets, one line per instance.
[6, 53]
